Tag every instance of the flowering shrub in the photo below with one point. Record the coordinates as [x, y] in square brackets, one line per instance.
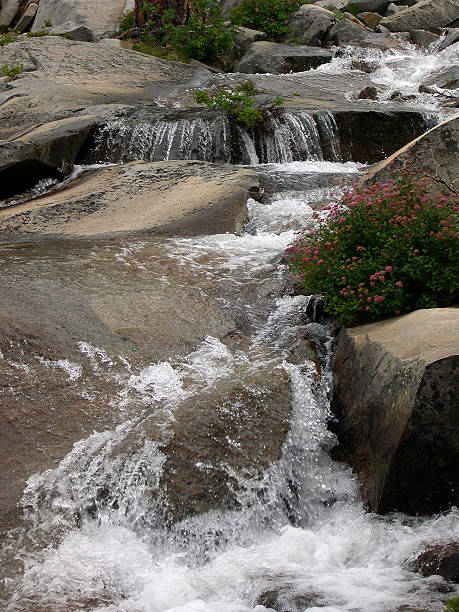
[269, 16]
[383, 250]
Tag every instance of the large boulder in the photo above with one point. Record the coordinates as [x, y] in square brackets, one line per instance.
[182, 197]
[396, 401]
[310, 24]
[346, 31]
[424, 15]
[435, 153]
[269, 57]
[101, 17]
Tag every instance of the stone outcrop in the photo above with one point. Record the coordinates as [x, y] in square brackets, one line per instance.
[101, 16]
[396, 401]
[424, 15]
[346, 31]
[47, 151]
[8, 11]
[245, 37]
[434, 153]
[452, 36]
[182, 197]
[26, 18]
[63, 78]
[310, 24]
[423, 38]
[269, 57]
[446, 79]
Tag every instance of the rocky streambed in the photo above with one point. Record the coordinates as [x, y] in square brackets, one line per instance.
[165, 394]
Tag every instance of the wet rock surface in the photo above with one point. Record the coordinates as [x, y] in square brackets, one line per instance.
[439, 559]
[81, 320]
[182, 197]
[395, 387]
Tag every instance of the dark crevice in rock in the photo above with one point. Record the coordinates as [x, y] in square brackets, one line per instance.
[24, 175]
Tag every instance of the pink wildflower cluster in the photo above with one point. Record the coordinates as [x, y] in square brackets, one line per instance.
[382, 250]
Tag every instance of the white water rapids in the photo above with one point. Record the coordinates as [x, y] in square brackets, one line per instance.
[299, 539]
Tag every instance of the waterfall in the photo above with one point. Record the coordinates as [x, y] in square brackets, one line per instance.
[284, 137]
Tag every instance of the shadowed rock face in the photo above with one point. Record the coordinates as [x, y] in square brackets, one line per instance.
[435, 153]
[395, 400]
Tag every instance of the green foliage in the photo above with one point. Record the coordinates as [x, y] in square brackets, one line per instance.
[48, 24]
[238, 102]
[352, 8]
[339, 16]
[12, 71]
[148, 44]
[9, 37]
[127, 22]
[452, 605]
[205, 36]
[148, 8]
[269, 16]
[383, 250]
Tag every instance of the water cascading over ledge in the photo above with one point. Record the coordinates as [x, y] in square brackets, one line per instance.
[364, 136]
[212, 137]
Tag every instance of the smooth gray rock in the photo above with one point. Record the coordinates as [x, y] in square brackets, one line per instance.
[393, 9]
[332, 5]
[423, 39]
[8, 13]
[395, 389]
[346, 31]
[447, 78]
[166, 198]
[452, 36]
[436, 152]
[101, 16]
[64, 77]
[77, 32]
[268, 57]
[245, 37]
[47, 151]
[310, 24]
[424, 15]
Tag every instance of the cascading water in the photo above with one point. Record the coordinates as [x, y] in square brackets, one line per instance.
[99, 535]
[99, 531]
[285, 137]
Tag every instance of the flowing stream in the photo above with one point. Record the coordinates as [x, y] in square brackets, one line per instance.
[99, 534]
